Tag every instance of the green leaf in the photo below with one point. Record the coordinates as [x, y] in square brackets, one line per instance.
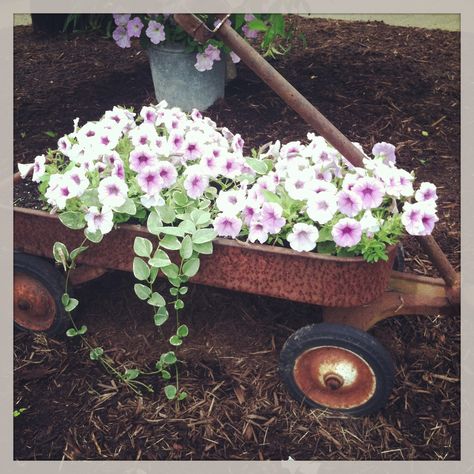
[71, 332]
[51, 134]
[90, 198]
[327, 247]
[73, 219]
[176, 231]
[325, 234]
[191, 267]
[153, 274]
[258, 166]
[160, 259]
[77, 251]
[60, 253]
[94, 237]
[170, 392]
[202, 236]
[186, 248]
[170, 242]
[161, 316]
[173, 291]
[187, 226]
[140, 269]
[71, 304]
[180, 198]
[183, 290]
[131, 374]
[200, 217]
[270, 197]
[170, 358]
[128, 207]
[142, 291]
[179, 304]
[182, 331]
[165, 375]
[167, 214]
[257, 24]
[205, 249]
[96, 353]
[82, 330]
[142, 247]
[175, 341]
[156, 300]
[171, 271]
[65, 299]
[153, 222]
[182, 396]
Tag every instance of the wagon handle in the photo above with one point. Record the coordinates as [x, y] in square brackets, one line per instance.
[199, 31]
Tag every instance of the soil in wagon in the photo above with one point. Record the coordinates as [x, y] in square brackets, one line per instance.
[376, 83]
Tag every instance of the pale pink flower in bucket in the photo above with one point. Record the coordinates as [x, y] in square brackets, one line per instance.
[121, 19]
[322, 207]
[303, 237]
[257, 232]
[349, 203]
[121, 37]
[134, 27]
[149, 180]
[101, 221]
[271, 217]
[156, 32]
[347, 232]
[195, 183]
[227, 226]
[112, 192]
[370, 190]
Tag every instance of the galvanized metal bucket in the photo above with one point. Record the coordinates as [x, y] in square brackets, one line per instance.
[177, 81]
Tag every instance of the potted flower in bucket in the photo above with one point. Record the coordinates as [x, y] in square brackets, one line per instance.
[185, 73]
[189, 182]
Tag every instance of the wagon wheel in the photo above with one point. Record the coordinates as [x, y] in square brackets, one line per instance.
[38, 287]
[337, 367]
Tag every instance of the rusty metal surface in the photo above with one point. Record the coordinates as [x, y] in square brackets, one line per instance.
[194, 27]
[34, 306]
[252, 268]
[334, 377]
[406, 294]
[84, 273]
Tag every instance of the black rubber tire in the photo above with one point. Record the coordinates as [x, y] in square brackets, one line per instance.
[345, 337]
[52, 279]
[399, 262]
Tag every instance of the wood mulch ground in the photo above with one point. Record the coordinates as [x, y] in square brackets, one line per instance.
[376, 83]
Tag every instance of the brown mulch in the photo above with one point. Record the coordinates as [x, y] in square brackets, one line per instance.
[376, 83]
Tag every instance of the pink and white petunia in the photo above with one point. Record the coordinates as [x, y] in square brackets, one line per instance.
[347, 232]
[271, 217]
[370, 190]
[406, 183]
[64, 144]
[144, 134]
[349, 202]
[156, 32]
[369, 223]
[121, 37]
[419, 218]
[426, 193]
[134, 27]
[60, 189]
[149, 115]
[38, 168]
[112, 192]
[231, 202]
[250, 211]
[25, 169]
[291, 150]
[195, 183]
[78, 176]
[297, 185]
[176, 142]
[142, 157]
[386, 151]
[231, 166]
[192, 148]
[227, 226]
[322, 207]
[303, 237]
[152, 201]
[235, 59]
[121, 19]
[257, 232]
[203, 62]
[149, 180]
[167, 173]
[101, 221]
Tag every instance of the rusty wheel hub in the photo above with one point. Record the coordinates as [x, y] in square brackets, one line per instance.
[334, 377]
[34, 306]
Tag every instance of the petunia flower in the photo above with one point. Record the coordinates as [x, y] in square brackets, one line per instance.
[25, 169]
[370, 224]
[386, 151]
[99, 220]
[134, 27]
[349, 202]
[370, 190]
[257, 232]
[152, 201]
[78, 176]
[121, 19]
[322, 207]
[149, 180]
[121, 37]
[231, 202]
[141, 157]
[303, 237]
[271, 217]
[112, 192]
[235, 59]
[195, 183]
[347, 232]
[426, 193]
[156, 32]
[227, 226]
[38, 168]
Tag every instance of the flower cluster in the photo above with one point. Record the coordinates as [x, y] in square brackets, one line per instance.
[306, 196]
[161, 27]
